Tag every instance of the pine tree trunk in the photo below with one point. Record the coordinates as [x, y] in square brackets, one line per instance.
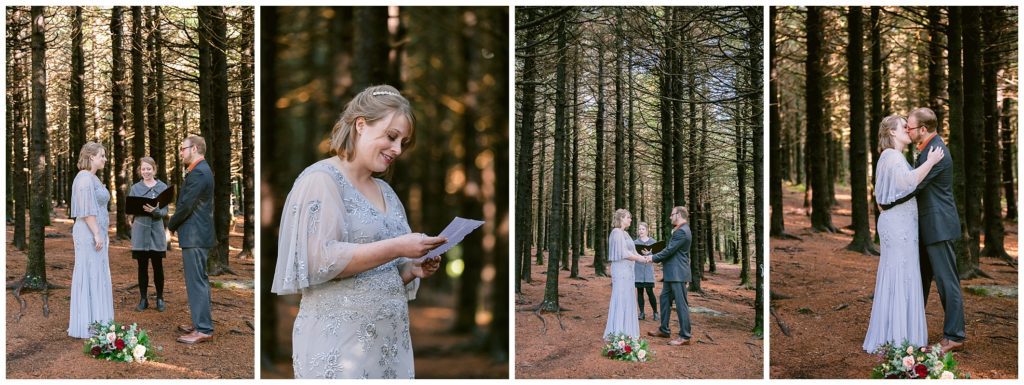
[550, 302]
[876, 101]
[524, 160]
[159, 136]
[541, 210]
[817, 143]
[620, 150]
[667, 134]
[600, 246]
[994, 232]
[1008, 163]
[741, 187]
[862, 241]
[371, 46]
[755, 42]
[935, 69]
[16, 130]
[76, 108]
[956, 137]
[39, 159]
[974, 126]
[777, 226]
[138, 97]
[119, 136]
[218, 144]
[577, 231]
[248, 133]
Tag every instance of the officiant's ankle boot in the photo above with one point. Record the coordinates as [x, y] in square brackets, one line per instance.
[143, 304]
[160, 305]
[656, 316]
[642, 316]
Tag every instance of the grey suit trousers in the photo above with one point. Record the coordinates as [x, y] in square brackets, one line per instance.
[938, 260]
[675, 291]
[197, 285]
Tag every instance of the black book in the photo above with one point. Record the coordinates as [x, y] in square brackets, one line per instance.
[133, 205]
[654, 247]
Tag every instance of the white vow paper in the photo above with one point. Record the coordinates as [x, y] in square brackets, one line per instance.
[455, 232]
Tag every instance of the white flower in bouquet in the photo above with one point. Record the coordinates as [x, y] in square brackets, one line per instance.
[133, 341]
[111, 337]
[641, 354]
[140, 353]
[910, 350]
[908, 362]
[113, 327]
[622, 344]
[946, 375]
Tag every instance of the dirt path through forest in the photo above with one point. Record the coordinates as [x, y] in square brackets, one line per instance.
[823, 294]
[39, 347]
[723, 345]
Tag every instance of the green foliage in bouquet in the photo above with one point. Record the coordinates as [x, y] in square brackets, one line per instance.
[625, 348]
[907, 361]
[117, 342]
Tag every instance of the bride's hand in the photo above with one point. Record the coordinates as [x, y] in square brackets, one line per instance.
[415, 245]
[98, 241]
[424, 268]
[935, 154]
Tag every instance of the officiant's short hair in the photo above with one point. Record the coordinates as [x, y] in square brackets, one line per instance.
[618, 216]
[925, 117]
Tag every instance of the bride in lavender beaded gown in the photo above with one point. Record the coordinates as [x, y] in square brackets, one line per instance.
[897, 311]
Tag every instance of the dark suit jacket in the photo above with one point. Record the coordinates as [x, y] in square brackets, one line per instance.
[938, 218]
[193, 212]
[676, 256]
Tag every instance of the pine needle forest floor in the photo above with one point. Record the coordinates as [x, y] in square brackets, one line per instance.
[723, 346]
[823, 294]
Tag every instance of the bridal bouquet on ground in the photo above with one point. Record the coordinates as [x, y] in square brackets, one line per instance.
[909, 361]
[117, 342]
[625, 348]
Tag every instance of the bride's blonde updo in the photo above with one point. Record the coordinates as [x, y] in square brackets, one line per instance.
[618, 216]
[886, 137]
[373, 103]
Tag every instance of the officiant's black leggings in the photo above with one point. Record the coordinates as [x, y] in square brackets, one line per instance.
[144, 257]
[650, 295]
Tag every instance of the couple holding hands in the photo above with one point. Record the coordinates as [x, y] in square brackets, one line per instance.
[675, 257]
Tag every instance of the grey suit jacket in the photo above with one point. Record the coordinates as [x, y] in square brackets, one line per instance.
[676, 256]
[938, 218]
[193, 212]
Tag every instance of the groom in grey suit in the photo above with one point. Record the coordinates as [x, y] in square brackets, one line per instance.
[676, 261]
[193, 220]
[939, 226]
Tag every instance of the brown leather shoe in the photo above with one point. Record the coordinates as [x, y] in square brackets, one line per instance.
[679, 342]
[949, 345]
[186, 328]
[194, 338]
[659, 334]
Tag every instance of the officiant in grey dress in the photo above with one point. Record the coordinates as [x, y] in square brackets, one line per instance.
[149, 239]
[643, 274]
[193, 220]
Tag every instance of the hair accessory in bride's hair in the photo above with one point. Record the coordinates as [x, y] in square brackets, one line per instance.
[379, 93]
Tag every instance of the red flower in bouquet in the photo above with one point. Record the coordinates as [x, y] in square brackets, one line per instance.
[611, 353]
[921, 371]
[119, 344]
[96, 350]
[628, 349]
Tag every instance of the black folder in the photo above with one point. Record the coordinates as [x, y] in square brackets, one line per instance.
[133, 204]
[654, 247]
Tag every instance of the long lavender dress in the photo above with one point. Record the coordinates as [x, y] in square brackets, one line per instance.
[354, 327]
[897, 312]
[91, 293]
[622, 307]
